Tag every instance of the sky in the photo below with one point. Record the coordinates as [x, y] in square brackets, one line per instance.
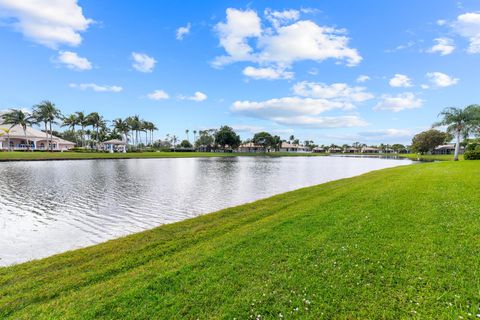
[327, 71]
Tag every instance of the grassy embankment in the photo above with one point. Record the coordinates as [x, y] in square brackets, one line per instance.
[13, 156]
[396, 243]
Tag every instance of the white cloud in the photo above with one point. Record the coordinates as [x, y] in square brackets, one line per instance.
[468, 25]
[286, 44]
[279, 18]
[247, 128]
[425, 86]
[158, 95]
[363, 78]
[399, 102]
[442, 80]
[322, 122]
[48, 22]
[267, 73]
[335, 91]
[96, 87]
[197, 96]
[183, 31]
[387, 133]
[400, 81]
[443, 46]
[73, 61]
[143, 62]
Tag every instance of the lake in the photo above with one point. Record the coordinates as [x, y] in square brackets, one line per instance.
[48, 207]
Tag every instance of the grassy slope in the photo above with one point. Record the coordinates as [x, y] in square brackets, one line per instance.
[394, 244]
[427, 157]
[100, 155]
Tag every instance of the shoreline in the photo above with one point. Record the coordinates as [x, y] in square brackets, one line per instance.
[345, 246]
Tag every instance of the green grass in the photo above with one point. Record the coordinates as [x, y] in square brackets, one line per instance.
[13, 156]
[430, 157]
[392, 244]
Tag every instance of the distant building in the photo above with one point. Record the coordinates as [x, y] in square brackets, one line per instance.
[446, 149]
[288, 147]
[33, 140]
[370, 150]
[335, 150]
[114, 145]
[250, 147]
[350, 150]
[319, 150]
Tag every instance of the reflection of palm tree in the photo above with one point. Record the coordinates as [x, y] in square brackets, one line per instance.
[18, 117]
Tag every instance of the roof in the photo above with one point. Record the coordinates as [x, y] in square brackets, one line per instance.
[292, 146]
[32, 133]
[115, 141]
[445, 146]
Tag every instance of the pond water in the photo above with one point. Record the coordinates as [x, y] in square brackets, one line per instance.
[48, 207]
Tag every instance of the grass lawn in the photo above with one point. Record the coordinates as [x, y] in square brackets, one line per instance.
[392, 244]
[12, 156]
[430, 157]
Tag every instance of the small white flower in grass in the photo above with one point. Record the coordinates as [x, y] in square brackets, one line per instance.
[280, 315]
[478, 315]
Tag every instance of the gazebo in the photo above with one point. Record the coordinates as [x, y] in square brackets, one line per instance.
[115, 145]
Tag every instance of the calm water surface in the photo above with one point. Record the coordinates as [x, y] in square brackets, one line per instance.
[49, 207]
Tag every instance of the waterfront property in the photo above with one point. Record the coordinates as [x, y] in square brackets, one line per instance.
[251, 147]
[114, 145]
[447, 149]
[14, 138]
[335, 150]
[370, 150]
[351, 150]
[290, 147]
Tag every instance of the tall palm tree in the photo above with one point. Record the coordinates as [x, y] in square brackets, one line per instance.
[97, 122]
[460, 122]
[18, 117]
[83, 122]
[135, 125]
[47, 113]
[186, 132]
[71, 121]
[194, 136]
[122, 127]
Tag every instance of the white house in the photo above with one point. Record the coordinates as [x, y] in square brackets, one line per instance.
[35, 139]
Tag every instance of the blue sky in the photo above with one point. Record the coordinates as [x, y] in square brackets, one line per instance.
[328, 71]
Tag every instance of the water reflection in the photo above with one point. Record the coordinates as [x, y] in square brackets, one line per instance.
[53, 206]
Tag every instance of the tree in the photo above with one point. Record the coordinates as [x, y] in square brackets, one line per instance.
[263, 139]
[185, 144]
[460, 122]
[18, 117]
[83, 122]
[7, 132]
[292, 137]
[186, 132]
[97, 122]
[121, 127]
[194, 136]
[71, 121]
[427, 141]
[225, 136]
[397, 147]
[47, 113]
[277, 143]
[204, 139]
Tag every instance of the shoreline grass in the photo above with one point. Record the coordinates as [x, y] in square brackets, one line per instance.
[395, 243]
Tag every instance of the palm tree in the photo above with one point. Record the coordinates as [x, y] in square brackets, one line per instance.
[7, 132]
[194, 136]
[121, 126]
[47, 113]
[18, 117]
[97, 122]
[460, 123]
[71, 121]
[134, 124]
[83, 122]
[186, 132]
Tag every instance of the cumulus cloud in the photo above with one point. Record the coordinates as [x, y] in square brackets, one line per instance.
[50, 22]
[197, 96]
[362, 78]
[467, 25]
[400, 81]
[335, 91]
[322, 122]
[267, 73]
[73, 61]
[96, 87]
[291, 40]
[441, 80]
[247, 128]
[443, 46]
[143, 62]
[158, 95]
[399, 102]
[183, 31]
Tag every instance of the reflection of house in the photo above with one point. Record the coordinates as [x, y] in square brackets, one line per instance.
[334, 150]
[446, 149]
[370, 150]
[115, 145]
[36, 139]
[350, 150]
[288, 147]
[250, 147]
[318, 150]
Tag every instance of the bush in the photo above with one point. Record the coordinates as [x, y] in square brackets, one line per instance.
[472, 154]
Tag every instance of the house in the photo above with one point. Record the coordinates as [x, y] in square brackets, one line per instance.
[114, 145]
[319, 150]
[447, 149]
[350, 150]
[388, 150]
[335, 150]
[250, 147]
[370, 150]
[32, 139]
[288, 147]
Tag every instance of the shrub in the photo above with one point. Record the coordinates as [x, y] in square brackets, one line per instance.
[472, 154]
